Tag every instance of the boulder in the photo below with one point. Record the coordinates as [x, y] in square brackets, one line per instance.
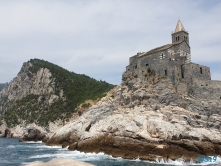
[33, 135]
[73, 146]
[8, 134]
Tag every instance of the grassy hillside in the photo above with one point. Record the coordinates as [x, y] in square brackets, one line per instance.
[76, 89]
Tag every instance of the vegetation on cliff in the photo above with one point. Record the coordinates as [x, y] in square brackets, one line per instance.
[69, 91]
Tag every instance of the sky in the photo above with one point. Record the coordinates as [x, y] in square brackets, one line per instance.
[97, 37]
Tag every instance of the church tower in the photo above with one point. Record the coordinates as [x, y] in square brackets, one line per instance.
[180, 34]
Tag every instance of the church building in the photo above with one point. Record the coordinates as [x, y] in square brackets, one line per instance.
[173, 62]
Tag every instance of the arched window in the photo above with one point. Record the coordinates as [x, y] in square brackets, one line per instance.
[201, 70]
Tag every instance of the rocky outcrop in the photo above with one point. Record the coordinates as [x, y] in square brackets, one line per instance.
[8, 133]
[28, 82]
[32, 135]
[5, 132]
[147, 120]
[34, 132]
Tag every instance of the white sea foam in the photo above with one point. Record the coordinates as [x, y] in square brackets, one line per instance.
[49, 147]
[181, 161]
[59, 162]
[10, 147]
[32, 142]
[81, 156]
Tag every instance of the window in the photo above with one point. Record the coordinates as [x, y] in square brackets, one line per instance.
[162, 56]
[182, 71]
[165, 72]
[201, 70]
[135, 66]
[178, 38]
[147, 64]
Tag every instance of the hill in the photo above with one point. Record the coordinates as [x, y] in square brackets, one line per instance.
[43, 92]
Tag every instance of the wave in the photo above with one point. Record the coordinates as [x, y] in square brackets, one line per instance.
[58, 155]
[50, 147]
[32, 142]
[58, 162]
[75, 155]
[181, 161]
[64, 153]
[10, 147]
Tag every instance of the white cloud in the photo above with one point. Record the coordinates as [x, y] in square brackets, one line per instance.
[98, 37]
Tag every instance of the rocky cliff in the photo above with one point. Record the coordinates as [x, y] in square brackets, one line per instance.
[45, 96]
[148, 120]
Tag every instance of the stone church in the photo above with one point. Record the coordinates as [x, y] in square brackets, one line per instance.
[173, 62]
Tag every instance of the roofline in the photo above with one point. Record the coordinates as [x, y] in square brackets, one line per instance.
[172, 44]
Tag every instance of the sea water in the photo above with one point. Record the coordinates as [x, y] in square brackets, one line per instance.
[14, 153]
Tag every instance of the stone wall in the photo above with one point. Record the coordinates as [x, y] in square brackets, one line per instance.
[210, 90]
[194, 73]
[165, 63]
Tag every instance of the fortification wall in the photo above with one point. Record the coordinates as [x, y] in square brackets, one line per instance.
[160, 62]
[133, 63]
[194, 73]
[206, 89]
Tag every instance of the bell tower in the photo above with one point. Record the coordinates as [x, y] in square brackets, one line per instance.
[180, 34]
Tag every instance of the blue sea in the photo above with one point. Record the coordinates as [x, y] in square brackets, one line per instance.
[14, 153]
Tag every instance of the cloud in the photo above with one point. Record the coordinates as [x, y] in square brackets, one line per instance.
[98, 37]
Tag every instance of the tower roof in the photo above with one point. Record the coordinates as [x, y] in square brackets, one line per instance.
[179, 27]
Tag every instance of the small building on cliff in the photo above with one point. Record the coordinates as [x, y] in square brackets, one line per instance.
[173, 62]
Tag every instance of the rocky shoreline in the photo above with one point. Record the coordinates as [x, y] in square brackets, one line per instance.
[147, 120]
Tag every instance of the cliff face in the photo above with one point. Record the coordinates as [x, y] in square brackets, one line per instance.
[27, 83]
[44, 94]
[146, 120]
[21, 100]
